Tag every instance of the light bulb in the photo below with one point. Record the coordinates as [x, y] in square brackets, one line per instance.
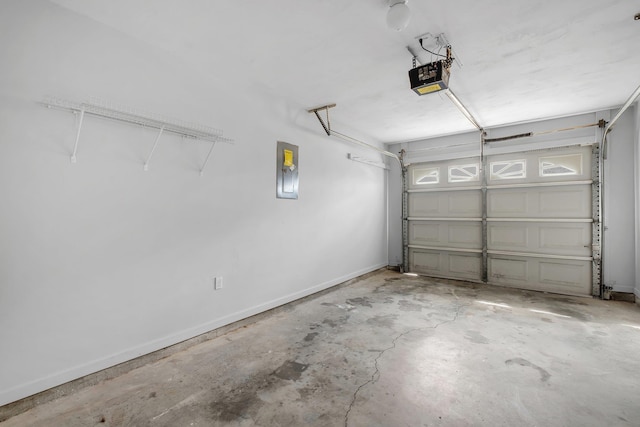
[398, 16]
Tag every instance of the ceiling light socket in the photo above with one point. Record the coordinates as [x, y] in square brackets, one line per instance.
[636, 17]
[398, 15]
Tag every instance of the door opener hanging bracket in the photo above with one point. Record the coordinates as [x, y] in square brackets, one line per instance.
[326, 126]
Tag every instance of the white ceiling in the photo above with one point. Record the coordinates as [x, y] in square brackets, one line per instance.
[521, 59]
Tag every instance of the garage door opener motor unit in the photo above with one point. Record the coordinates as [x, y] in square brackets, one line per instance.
[431, 77]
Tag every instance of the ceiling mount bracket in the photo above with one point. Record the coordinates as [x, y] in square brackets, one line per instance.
[325, 126]
[327, 129]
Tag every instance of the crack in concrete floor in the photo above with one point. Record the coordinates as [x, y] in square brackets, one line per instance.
[376, 373]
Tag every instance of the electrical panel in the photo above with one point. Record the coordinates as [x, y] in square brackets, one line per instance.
[286, 171]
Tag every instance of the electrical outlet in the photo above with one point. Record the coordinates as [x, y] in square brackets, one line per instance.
[217, 283]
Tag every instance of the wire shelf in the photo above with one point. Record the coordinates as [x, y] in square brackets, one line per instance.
[108, 110]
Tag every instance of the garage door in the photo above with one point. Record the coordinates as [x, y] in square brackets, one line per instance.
[526, 224]
[445, 219]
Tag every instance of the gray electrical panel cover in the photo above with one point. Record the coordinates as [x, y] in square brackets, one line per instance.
[287, 171]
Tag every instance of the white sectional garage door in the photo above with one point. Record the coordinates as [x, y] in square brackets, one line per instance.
[526, 224]
[445, 219]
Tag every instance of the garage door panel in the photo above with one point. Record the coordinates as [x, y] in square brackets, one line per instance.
[540, 202]
[507, 236]
[570, 239]
[565, 239]
[507, 203]
[426, 261]
[455, 173]
[425, 205]
[571, 277]
[465, 204]
[446, 264]
[565, 274]
[426, 233]
[453, 234]
[560, 165]
[465, 265]
[568, 202]
[465, 235]
[511, 270]
[461, 204]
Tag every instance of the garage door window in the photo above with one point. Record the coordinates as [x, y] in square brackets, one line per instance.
[426, 176]
[510, 169]
[561, 165]
[464, 173]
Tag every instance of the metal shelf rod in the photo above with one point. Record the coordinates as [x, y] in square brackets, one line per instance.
[75, 147]
[213, 144]
[155, 145]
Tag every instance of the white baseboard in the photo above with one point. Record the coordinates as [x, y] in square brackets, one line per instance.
[57, 378]
[625, 289]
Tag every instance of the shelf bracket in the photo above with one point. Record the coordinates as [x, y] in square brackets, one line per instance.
[213, 144]
[146, 164]
[325, 126]
[75, 147]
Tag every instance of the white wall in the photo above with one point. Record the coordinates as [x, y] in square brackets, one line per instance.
[636, 145]
[101, 262]
[620, 251]
[619, 205]
[395, 211]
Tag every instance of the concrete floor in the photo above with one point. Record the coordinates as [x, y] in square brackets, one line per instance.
[390, 350]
